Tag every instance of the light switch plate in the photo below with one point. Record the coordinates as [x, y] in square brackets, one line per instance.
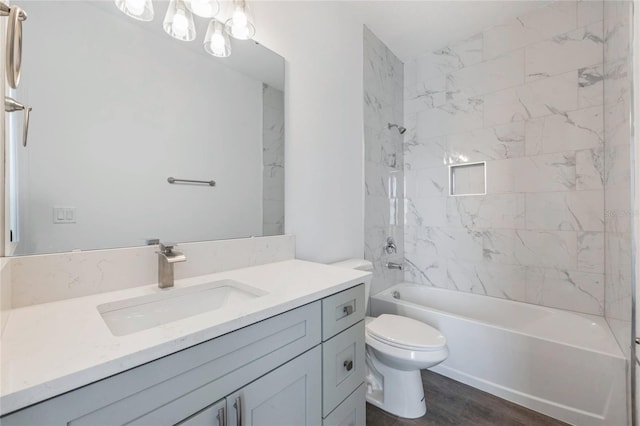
[64, 215]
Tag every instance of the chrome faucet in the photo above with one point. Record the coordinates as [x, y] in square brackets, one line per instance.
[166, 258]
[392, 265]
[390, 247]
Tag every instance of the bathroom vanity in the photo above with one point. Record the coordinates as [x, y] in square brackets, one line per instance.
[294, 355]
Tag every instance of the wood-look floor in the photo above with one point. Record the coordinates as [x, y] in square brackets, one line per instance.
[453, 403]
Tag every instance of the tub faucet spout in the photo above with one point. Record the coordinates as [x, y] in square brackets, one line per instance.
[392, 265]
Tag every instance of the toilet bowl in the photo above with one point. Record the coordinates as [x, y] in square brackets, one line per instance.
[397, 348]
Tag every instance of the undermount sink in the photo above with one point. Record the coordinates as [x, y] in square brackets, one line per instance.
[140, 313]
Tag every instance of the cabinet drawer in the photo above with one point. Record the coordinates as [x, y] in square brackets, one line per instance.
[342, 310]
[343, 366]
[207, 372]
[351, 412]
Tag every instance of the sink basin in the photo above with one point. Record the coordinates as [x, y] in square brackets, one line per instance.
[140, 313]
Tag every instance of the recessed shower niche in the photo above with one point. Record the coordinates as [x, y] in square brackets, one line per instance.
[468, 179]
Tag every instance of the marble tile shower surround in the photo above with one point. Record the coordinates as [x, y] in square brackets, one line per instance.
[273, 161]
[384, 175]
[31, 280]
[619, 212]
[527, 97]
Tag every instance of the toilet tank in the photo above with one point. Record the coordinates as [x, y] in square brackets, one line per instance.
[360, 265]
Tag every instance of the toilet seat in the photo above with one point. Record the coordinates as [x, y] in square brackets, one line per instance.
[405, 333]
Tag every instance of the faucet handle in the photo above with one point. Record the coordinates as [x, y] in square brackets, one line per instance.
[167, 248]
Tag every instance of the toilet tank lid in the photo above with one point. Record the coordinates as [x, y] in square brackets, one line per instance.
[359, 264]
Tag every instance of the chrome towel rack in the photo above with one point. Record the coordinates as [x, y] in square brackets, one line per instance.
[14, 62]
[173, 180]
[14, 42]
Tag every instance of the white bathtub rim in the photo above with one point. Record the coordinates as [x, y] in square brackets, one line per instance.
[386, 296]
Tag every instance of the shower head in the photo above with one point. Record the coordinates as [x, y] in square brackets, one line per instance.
[400, 128]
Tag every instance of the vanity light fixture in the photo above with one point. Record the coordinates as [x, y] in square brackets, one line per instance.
[240, 25]
[216, 42]
[178, 22]
[203, 8]
[141, 10]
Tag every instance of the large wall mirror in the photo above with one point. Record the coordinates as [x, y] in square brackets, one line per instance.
[118, 108]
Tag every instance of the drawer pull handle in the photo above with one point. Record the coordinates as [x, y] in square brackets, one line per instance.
[238, 406]
[222, 417]
[348, 365]
[348, 310]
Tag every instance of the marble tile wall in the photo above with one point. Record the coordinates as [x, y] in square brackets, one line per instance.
[619, 212]
[272, 161]
[384, 175]
[526, 96]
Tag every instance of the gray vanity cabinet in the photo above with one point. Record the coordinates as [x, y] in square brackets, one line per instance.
[271, 373]
[289, 395]
[343, 358]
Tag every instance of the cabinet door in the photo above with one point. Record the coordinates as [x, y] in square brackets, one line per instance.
[288, 396]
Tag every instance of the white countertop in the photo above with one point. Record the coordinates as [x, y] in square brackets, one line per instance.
[52, 348]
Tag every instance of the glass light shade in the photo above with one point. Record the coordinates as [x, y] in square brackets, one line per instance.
[217, 42]
[204, 8]
[178, 22]
[141, 10]
[240, 25]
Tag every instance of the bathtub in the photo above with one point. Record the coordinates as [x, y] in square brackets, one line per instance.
[563, 364]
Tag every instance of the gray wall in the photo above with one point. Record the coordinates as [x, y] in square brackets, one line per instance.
[384, 176]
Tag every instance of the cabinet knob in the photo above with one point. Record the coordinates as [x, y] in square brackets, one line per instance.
[348, 310]
[348, 365]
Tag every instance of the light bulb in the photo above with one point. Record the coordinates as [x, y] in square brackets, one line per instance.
[239, 18]
[142, 10]
[136, 7]
[217, 43]
[204, 8]
[240, 31]
[180, 23]
[240, 25]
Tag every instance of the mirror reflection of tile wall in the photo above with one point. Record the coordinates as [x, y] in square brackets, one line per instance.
[273, 161]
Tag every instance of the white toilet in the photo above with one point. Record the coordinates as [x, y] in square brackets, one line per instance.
[397, 349]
